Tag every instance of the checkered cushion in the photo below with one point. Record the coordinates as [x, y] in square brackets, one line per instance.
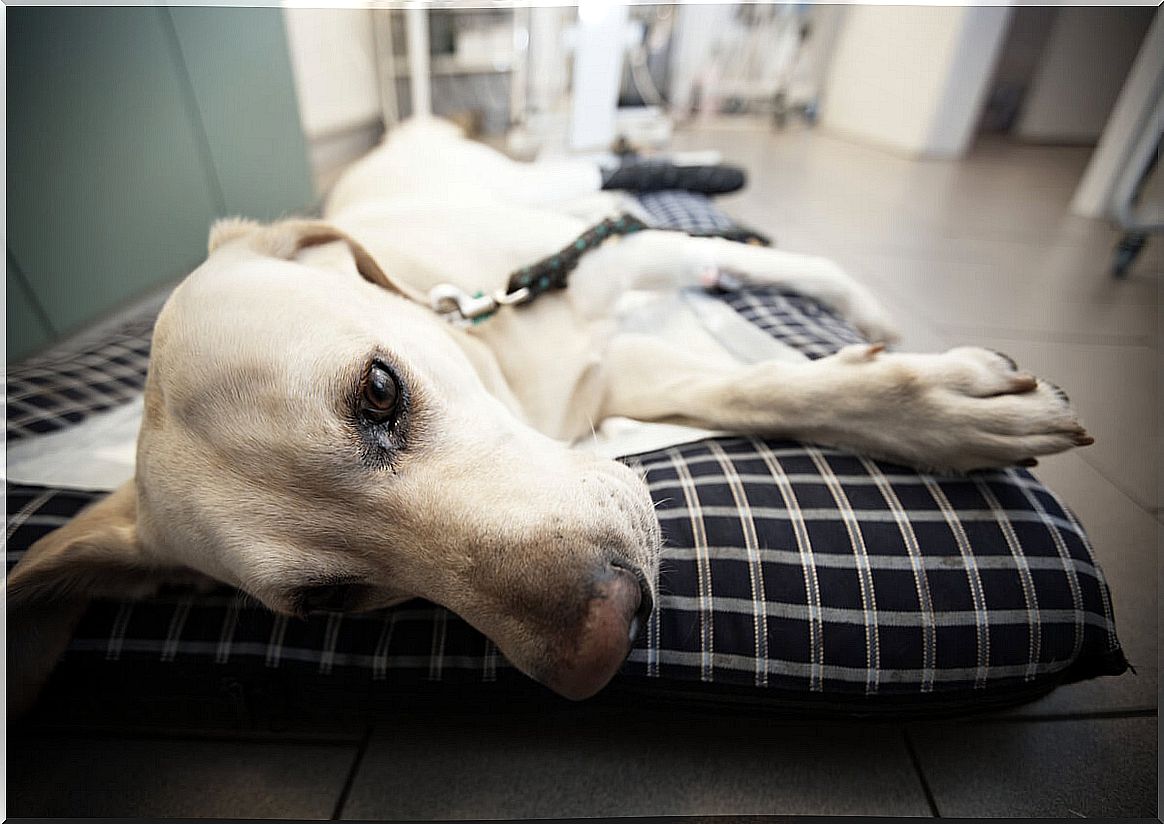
[688, 211]
[66, 385]
[793, 568]
[693, 213]
[798, 321]
[789, 571]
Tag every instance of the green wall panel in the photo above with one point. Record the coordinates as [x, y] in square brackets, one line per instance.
[240, 71]
[26, 329]
[129, 131]
[108, 189]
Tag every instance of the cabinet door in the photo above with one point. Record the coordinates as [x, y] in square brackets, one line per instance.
[129, 131]
[240, 72]
[27, 329]
[109, 188]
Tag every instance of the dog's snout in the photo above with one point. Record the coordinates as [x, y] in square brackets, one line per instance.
[618, 605]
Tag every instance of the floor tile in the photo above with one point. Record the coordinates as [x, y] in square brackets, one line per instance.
[987, 243]
[1078, 768]
[588, 763]
[1025, 297]
[99, 777]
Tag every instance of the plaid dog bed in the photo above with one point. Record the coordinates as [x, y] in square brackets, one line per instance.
[790, 572]
[52, 391]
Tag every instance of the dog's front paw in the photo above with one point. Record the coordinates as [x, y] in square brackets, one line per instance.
[968, 408]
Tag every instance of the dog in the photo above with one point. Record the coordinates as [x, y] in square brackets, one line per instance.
[316, 435]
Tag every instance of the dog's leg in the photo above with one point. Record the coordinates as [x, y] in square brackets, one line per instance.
[964, 409]
[671, 260]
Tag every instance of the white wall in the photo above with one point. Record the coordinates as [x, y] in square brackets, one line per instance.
[912, 78]
[697, 28]
[1083, 67]
[333, 56]
[548, 81]
[967, 81]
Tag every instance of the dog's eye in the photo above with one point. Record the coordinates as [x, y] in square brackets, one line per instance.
[379, 395]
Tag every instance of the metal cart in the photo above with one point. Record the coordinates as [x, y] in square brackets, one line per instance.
[1128, 212]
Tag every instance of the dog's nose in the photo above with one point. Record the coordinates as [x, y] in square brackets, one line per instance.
[614, 615]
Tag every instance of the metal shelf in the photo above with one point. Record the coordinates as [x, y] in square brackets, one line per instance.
[448, 64]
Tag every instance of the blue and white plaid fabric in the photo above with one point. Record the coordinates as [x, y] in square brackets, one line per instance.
[693, 213]
[684, 211]
[787, 568]
[800, 322]
[785, 565]
[63, 386]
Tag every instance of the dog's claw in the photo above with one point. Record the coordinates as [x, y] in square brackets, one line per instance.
[1083, 439]
[1011, 361]
[1028, 462]
[1059, 393]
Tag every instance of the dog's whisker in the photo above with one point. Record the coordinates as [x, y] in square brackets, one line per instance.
[593, 432]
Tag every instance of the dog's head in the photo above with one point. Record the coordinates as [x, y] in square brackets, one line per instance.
[320, 441]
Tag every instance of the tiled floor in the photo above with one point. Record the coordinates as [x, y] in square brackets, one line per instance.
[97, 777]
[983, 251]
[584, 762]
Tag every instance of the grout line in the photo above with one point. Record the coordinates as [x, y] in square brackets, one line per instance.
[921, 776]
[342, 801]
[55, 731]
[1118, 486]
[1096, 715]
[1048, 336]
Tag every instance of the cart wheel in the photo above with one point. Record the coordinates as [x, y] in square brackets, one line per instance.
[1126, 252]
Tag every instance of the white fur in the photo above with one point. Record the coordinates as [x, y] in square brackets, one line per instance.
[570, 365]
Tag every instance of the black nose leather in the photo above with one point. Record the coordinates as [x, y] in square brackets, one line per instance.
[646, 600]
[603, 638]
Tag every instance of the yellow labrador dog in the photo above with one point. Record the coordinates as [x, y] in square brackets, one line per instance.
[315, 434]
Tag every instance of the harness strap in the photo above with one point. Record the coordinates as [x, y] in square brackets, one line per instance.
[530, 282]
[552, 272]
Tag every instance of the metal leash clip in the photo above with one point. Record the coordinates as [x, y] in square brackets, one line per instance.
[462, 309]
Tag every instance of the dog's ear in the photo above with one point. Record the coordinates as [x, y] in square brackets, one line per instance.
[288, 237]
[96, 553]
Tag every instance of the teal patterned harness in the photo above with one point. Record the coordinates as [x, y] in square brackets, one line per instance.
[552, 272]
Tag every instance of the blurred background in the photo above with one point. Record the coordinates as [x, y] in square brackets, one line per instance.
[131, 129]
[988, 171]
